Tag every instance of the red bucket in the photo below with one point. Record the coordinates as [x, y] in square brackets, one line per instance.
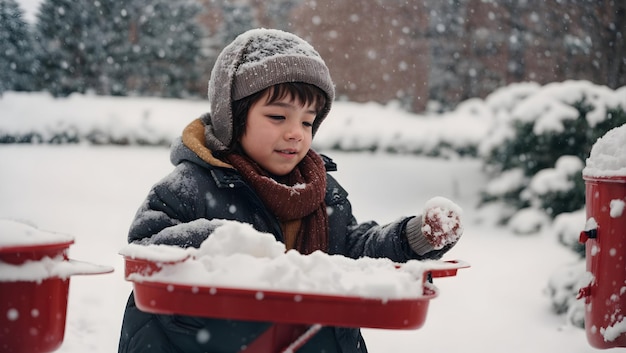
[33, 315]
[33, 306]
[605, 241]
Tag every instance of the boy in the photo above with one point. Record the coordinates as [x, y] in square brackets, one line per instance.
[251, 160]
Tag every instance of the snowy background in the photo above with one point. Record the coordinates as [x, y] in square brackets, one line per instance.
[92, 192]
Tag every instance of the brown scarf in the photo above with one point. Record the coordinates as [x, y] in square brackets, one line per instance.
[297, 195]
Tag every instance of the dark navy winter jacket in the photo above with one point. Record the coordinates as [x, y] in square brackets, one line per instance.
[198, 190]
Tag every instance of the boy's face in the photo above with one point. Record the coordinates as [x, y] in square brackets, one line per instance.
[278, 134]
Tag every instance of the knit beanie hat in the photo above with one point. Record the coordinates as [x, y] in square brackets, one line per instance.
[255, 60]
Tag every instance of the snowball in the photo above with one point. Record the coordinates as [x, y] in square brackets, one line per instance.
[235, 255]
[443, 204]
[14, 233]
[441, 222]
[617, 208]
[608, 155]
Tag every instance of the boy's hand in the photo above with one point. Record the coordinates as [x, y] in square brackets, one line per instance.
[441, 222]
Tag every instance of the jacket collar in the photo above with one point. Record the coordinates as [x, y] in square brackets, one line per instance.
[193, 138]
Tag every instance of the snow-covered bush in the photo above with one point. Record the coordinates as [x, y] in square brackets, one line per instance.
[562, 289]
[567, 227]
[540, 138]
[78, 118]
[85, 118]
[565, 282]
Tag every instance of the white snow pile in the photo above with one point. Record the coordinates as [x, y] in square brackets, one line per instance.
[235, 255]
[608, 155]
[47, 267]
[14, 234]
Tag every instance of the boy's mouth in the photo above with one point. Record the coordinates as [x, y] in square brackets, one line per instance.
[288, 151]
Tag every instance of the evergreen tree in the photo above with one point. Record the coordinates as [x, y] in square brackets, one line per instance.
[239, 16]
[446, 31]
[17, 64]
[163, 50]
[69, 51]
[119, 47]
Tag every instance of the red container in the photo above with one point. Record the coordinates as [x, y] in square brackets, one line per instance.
[32, 313]
[21, 253]
[282, 307]
[605, 295]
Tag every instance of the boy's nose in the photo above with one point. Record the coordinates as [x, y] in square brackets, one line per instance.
[295, 132]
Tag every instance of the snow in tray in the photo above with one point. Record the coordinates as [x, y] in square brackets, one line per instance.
[238, 256]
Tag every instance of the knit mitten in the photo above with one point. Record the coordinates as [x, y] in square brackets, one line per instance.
[438, 226]
[441, 222]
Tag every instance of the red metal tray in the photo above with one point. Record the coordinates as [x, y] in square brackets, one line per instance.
[282, 307]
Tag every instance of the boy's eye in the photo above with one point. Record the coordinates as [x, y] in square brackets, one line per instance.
[307, 123]
[276, 117]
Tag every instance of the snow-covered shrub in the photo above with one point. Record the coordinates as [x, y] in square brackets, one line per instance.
[540, 138]
[563, 287]
[527, 221]
[37, 117]
[559, 189]
[567, 227]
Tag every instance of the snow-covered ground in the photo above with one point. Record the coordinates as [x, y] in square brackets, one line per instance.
[92, 192]
[497, 305]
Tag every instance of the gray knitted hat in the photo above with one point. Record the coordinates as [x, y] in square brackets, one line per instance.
[255, 60]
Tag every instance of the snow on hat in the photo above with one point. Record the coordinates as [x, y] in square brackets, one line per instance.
[256, 60]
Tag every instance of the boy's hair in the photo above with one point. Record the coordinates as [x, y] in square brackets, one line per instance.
[303, 92]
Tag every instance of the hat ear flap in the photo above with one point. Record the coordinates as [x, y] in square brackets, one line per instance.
[220, 95]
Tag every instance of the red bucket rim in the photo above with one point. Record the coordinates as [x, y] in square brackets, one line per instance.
[609, 179]
[10, 249]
